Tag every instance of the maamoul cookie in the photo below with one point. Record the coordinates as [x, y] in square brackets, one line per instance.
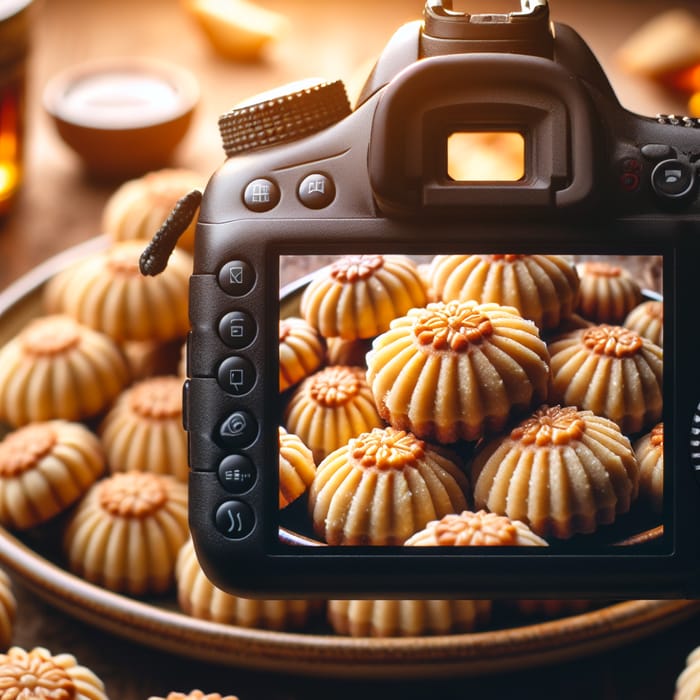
[649, 450]
[143, 429]
[44, 469]
[107, 292]
[194, 695]
[611, 371]
[647, 319]
[543, 288]
[301, 351]
[475, 529]
[347, 352]
[561, 471]
[688, 682]
[330, 407]
[8, 607]
[147, 358]
[407, 618]
[359, 295]
[139, 206]
[198, 597]
[58, 368]
[457, 370]
[39, 674]
[297, 468]
[381, 487]
[127, 531]
[607, 293]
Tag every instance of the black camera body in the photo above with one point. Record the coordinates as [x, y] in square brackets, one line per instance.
[308, 178]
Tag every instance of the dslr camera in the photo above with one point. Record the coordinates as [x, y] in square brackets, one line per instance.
[444, 343]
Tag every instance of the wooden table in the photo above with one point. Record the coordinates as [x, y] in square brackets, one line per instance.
[59, 207]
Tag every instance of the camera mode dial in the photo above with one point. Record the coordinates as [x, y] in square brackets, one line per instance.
[279, 116]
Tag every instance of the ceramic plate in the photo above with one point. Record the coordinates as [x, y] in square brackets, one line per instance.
[158, 623]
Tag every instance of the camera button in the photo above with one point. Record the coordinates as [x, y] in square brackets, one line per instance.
[672, 178]
[316, 191]
[238, 430]
[629, 182]
[236, 375]
[234, 519]
[658, 151]
[237, 329]
[261, 195]
[236, 278]
[237, 474]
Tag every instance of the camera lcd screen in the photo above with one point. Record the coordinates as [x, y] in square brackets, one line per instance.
[481, 156]
[472, 400]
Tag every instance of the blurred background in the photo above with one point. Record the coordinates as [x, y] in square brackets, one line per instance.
[60, 205]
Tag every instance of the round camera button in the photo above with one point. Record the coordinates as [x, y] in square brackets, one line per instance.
[234, 519]
[261, 195]
[236, 278]
[236, 375]
[316, 191]
[239, 429]
[672, 178]
[237, 474]
[237, 329]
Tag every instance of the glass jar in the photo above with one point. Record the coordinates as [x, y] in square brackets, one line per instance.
[14, 48]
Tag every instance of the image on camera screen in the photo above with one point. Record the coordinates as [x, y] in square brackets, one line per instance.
[473, 400]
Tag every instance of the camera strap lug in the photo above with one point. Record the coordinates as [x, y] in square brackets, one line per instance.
[155, 256]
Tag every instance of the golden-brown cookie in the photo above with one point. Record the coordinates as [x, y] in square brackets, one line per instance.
[301, 351]
[143, 429]
[44, 469]
[8, 608]
[611, 371]
[147, 358]
[543, 288]
[347, 352]
[647, 319]
[58, 368]
[138, 207]
[407, 618]
[199, 597]
[108, 293]
[562, 471]
[457, 370]
[607, 293]
[381, 487]
[649, 450]
[193, 695]
[330, 407]
[359, 295]
[127, 531]
[688, 682]
[39, 674]
[297, 467]
[475, 529]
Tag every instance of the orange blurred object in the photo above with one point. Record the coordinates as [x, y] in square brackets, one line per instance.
[686, 80]
[694, 105]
